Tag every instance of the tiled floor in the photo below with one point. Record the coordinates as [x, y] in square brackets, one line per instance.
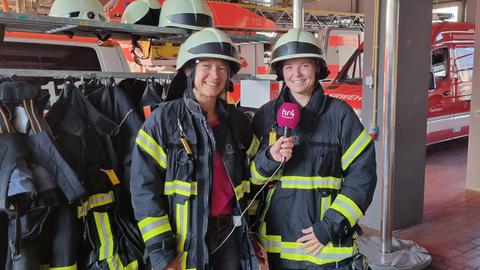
[450, 229]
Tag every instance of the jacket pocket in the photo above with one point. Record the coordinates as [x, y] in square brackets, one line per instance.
[326, 157]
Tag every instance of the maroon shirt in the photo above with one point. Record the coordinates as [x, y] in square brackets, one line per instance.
[222, 193]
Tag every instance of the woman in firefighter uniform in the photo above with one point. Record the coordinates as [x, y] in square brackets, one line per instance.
[190, 165]
[329, 176]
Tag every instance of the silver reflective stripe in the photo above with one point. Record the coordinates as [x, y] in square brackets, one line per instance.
[154, 225]
[325, 205]
[348, 208]
[310, 184]
[303, 252]
[103, 228]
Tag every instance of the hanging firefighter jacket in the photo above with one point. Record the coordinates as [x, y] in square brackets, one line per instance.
[145, 95]
[37, 187]
[327, 184]
[113, 103]
[171, 182]
[86, 139]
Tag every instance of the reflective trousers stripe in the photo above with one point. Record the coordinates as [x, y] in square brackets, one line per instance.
[257, 178]
[182, 227]
[180, 187]
[154, 226]
[355, 149]
[310, 182]
[241, 189]
[96, 200]
[348, 208]
[102, 223]
[149, 145]
[71, 267]
[254, 145]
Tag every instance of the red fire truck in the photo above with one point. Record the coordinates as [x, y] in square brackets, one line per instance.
[452, 46]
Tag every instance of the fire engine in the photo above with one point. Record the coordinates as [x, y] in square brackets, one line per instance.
[452, 46]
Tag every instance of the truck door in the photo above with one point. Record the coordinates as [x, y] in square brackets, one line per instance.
[440, 99]
[462, 82]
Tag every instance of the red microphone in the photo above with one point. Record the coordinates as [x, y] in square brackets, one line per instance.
[287, 117]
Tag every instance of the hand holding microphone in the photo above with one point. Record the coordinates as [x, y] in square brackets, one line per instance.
[288, 117]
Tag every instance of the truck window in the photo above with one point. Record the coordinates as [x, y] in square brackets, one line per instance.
[463, 59]
[19, 55]
[352, 72]
[439, 64]
[355, 71]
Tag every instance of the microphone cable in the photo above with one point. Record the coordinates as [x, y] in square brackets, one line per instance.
[250, 205]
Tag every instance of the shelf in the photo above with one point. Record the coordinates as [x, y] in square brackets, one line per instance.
[15, 22]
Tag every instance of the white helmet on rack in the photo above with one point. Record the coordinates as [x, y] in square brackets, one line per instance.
[78, 9]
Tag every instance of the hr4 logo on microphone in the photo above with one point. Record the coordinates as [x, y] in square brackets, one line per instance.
[288, 114]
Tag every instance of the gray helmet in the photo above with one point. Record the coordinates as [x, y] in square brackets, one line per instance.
[146, 12]
[188, 14]
[78, 9]
[209, 43]
[297, 44]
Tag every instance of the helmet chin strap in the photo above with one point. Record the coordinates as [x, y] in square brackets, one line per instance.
[191, 77]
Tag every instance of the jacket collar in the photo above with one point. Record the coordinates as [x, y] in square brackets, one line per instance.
[194, 107]
[315, 105]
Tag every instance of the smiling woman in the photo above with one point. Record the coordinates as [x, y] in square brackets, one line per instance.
[190, 164]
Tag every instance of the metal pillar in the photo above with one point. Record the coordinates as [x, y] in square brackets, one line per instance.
[386, 252]
[298, 14]
[389, 115]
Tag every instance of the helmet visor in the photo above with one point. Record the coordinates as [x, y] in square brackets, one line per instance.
[196, 19]
[296, 47]
[220, 48]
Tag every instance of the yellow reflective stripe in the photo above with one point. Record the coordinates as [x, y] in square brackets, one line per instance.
[183, 260]
[347, 208]
[149, 145]
[182, 225]
[114, 263]
[329, 254]
[153, 226]
[326, 201]
[311, 182]
[180, 187]
[131, 266]
[252, 150]
[294, 252]
[102, 222]
[241, 189]
[257, 178]
[252, 211]
[355, 149]
[71, 267]
[96, 200]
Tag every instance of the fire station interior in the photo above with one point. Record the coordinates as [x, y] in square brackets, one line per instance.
[414, 97]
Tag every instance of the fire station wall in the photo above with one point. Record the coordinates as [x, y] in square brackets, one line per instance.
[413, 67]
[473, 170]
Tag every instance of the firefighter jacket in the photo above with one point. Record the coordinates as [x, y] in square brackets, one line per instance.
[328, 183]
[108, 238]
[170, 187]
[145, 95]
[113, 103]
[36, 184]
